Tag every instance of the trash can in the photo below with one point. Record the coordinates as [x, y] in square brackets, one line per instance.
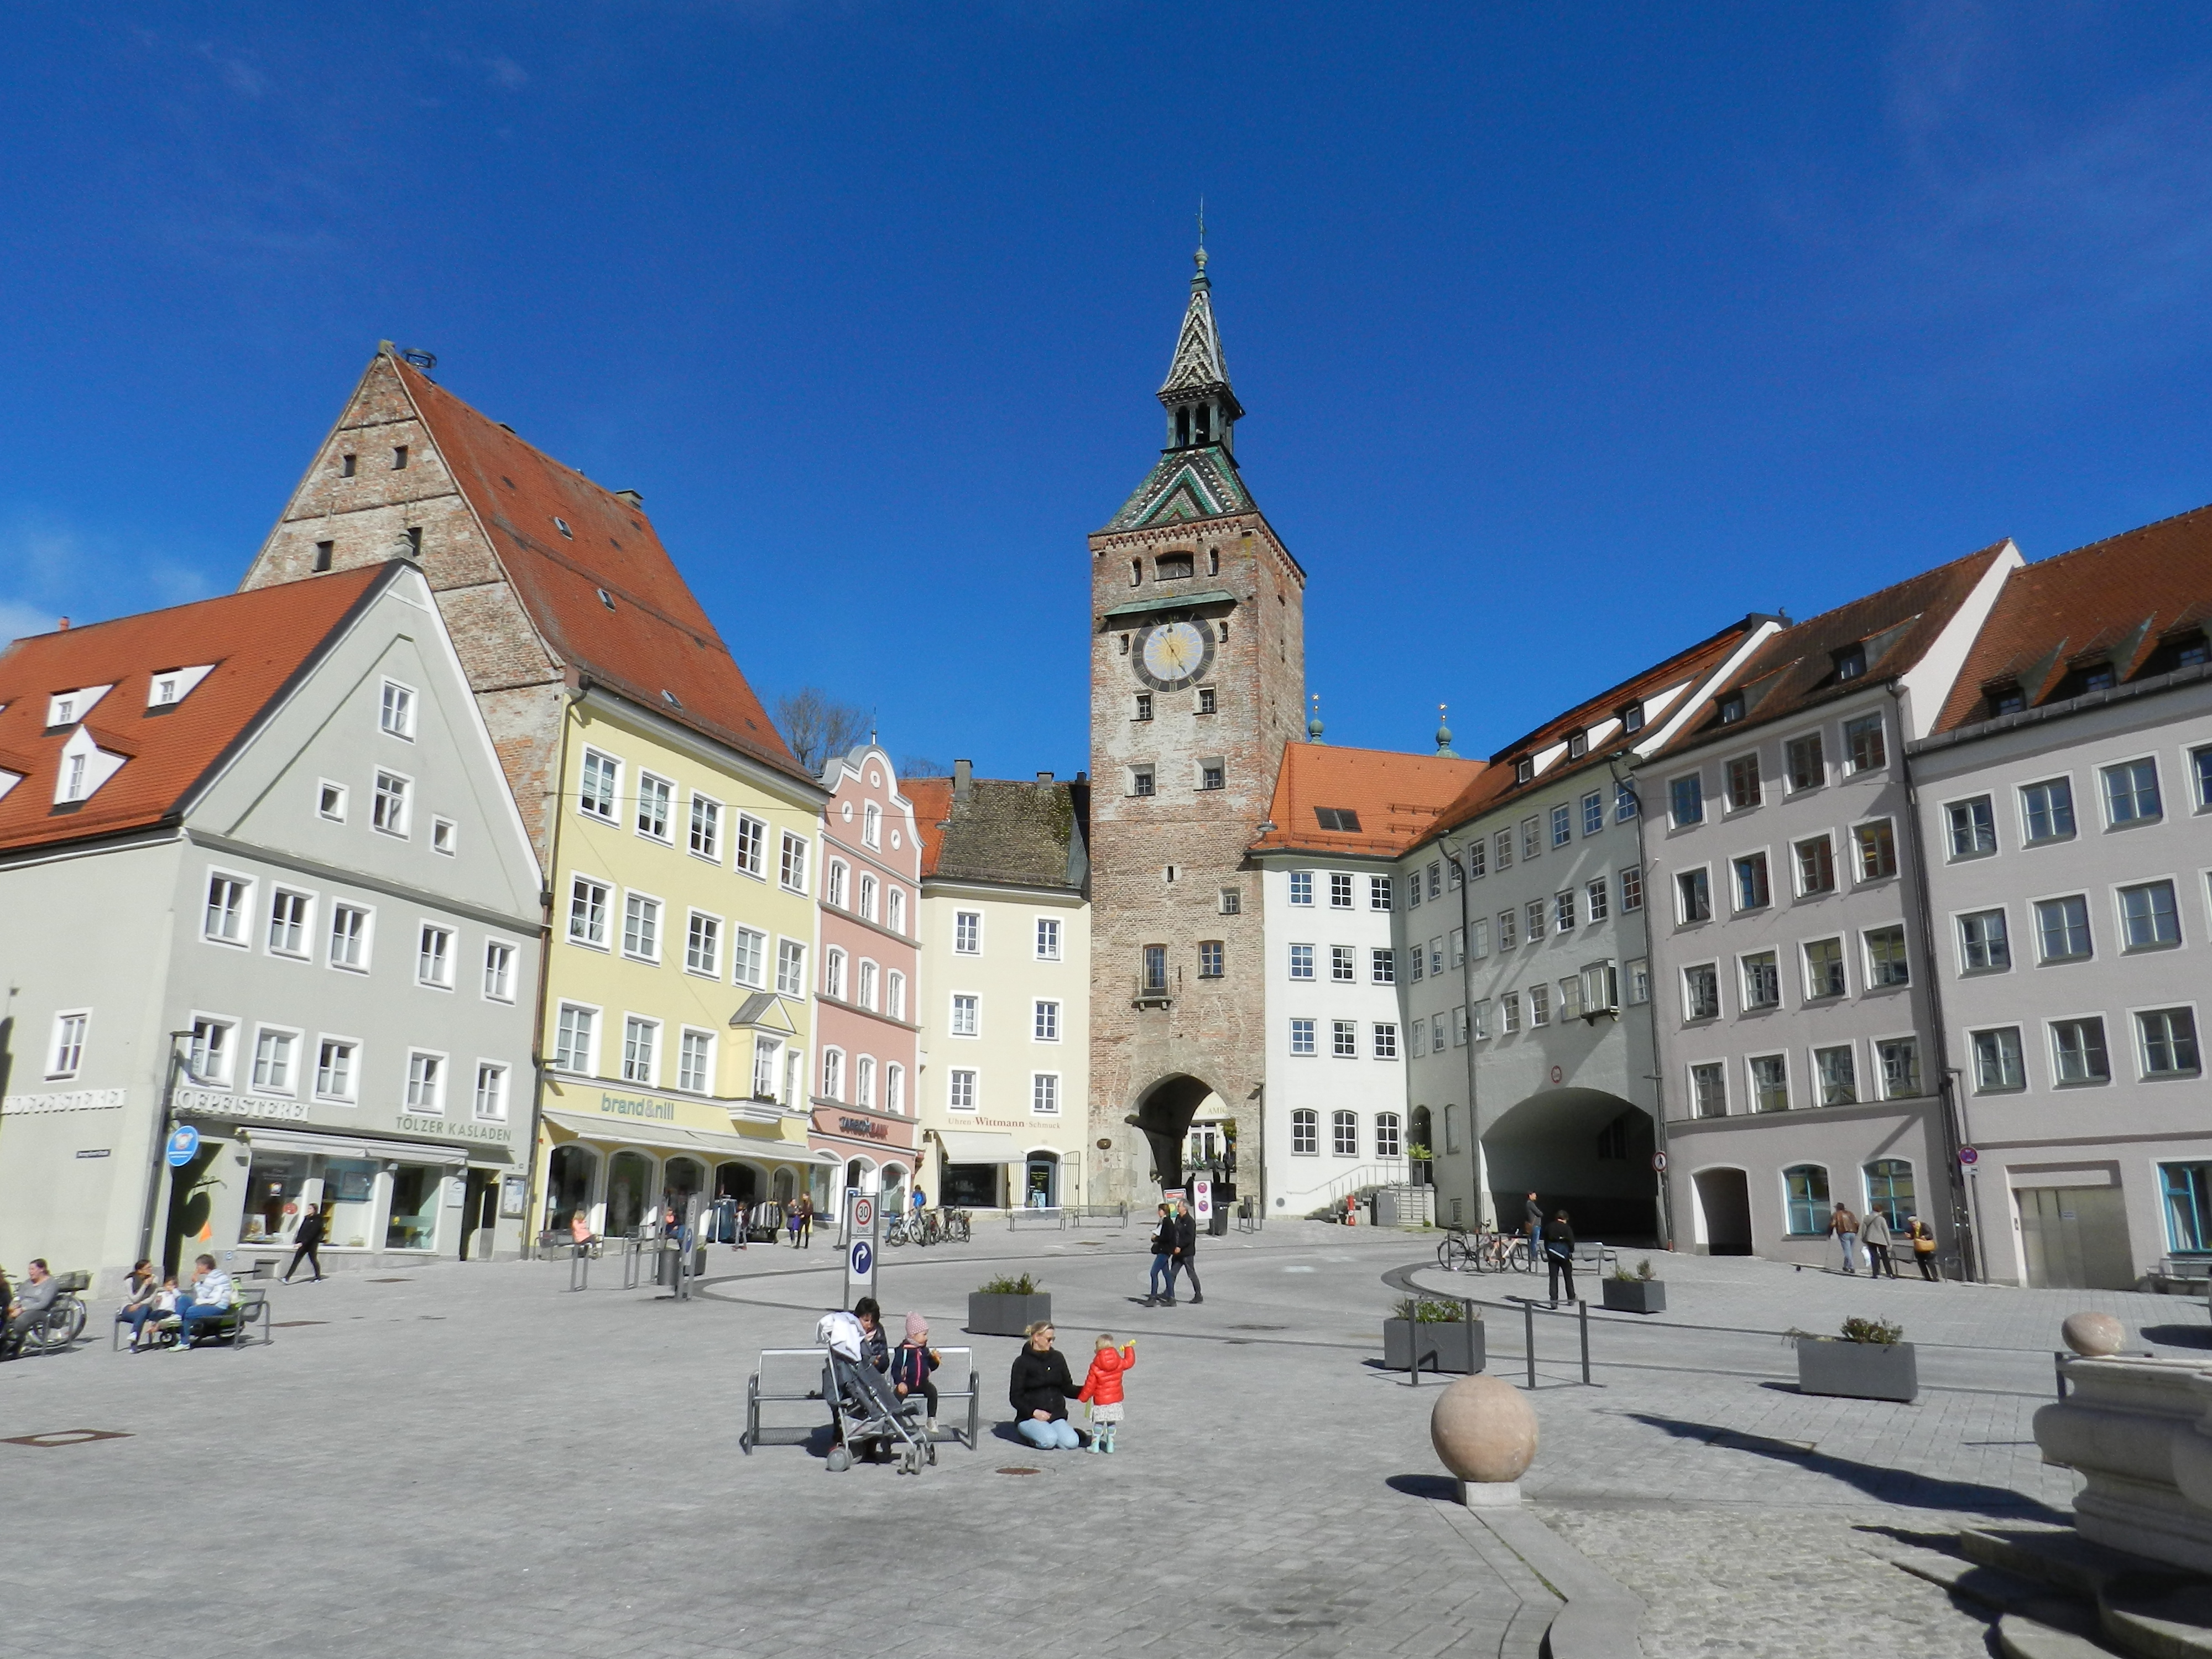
[1217, 1225]
[665, 1257]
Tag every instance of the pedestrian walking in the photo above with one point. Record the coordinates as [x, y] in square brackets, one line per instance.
[1102, 1389]
[802, 1222]
[1186, 1257]
[1559, 1254]
[1924, 1247]
[1874, 1234]
[1846, 1226]
[1533, 1215]
[1040, 1388]
[306, 1244]
[1162, 1293]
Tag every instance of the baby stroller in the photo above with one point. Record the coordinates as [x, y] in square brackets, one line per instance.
[864, 1412]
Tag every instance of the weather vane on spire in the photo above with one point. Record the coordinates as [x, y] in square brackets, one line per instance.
[1202, 233]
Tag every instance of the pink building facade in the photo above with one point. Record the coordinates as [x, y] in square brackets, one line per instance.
[867, 996]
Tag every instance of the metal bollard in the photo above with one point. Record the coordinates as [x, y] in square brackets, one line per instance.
[1584, 1307]
[1529, 1338]
[579, 1268]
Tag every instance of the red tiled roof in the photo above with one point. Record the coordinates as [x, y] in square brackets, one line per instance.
[258, 640]
[655, 637]
[1396, 797]
[1797, 668]
[2124, 600]
[932, 805]
[1495, 783]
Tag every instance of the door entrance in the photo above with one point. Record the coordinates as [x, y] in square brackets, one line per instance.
[479, 1215]
[1723, 1211]
[2075, 1238]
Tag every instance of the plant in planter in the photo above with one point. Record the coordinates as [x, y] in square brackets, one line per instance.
[1430, 1331]
[1869, 1359]
[1640, 1291]
[1008, 1306]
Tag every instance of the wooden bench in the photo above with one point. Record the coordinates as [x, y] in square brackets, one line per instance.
[795, 1377]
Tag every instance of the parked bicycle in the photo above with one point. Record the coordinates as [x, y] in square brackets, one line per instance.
[896, 1230]
[1484, 1253]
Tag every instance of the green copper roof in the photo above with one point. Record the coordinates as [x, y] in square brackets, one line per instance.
[1186, 485]
[1172, 602]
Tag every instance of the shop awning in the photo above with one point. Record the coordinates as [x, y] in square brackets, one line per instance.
[977, 1147]
[675, 1138]
[341, 1145]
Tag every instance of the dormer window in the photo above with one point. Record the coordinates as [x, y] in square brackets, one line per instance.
[69, 708]
[1578, 746]
[1523, 769]
[2192, 653]
[84, 767]
[2004, 698]
[1850, 662]
[64, 711]
[171, 686]
[73, 779]
[1174, 567]
[1631, 718]
[1732, 708]
[2097, 678]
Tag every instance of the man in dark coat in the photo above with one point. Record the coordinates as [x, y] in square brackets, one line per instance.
[1186, 1252]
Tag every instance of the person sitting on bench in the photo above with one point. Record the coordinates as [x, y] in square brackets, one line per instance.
[211, 1295]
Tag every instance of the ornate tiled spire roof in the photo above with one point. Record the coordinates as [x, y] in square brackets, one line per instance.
[1198, 366]
[1196, 475]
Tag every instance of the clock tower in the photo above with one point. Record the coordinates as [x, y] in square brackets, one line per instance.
[1197, 681]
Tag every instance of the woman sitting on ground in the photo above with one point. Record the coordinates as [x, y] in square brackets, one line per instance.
[1040, 1389]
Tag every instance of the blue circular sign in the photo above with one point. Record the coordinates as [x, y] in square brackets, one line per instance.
[863, 1258]
[184, 1146]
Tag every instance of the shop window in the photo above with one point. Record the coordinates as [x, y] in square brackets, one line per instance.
[1805, 1188]
[1889, 1190]
[413, 1225]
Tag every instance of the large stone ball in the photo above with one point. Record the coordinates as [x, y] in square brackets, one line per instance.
[2094, 1335]
[1485, 1429]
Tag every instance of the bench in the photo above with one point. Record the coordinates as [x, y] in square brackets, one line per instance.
[247, 1314]
[794, 1376]
[1034, 1217]
[1080, 1214]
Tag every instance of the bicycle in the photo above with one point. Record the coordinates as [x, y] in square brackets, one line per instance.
[894, 1232]
[1507, 1253]
[1455, 1255]
[956, 1230]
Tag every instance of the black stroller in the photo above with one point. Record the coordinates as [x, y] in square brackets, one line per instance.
[864, 1412]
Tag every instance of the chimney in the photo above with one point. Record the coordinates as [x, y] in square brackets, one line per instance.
[63, 628]
[632, 497]
[1044, 777]
[963, 777]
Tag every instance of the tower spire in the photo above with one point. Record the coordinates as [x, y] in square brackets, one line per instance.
[1202, 409]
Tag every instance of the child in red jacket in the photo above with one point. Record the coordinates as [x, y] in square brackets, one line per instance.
[1103, 1389]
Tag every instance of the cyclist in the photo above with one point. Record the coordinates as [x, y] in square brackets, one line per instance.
[29, 1307]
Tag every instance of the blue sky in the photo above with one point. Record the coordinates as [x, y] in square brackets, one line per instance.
[1566, 334]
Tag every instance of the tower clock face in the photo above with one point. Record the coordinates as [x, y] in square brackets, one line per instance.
[1171, 656]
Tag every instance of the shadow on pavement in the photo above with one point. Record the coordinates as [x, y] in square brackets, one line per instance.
[1899, 1486]
[2177, 1336]
[1436, 1488]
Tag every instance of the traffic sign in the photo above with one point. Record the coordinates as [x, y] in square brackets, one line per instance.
[1968, 1155]
[1658, 1160]
[184, 1146]
[864, 1214]
[863, 1258]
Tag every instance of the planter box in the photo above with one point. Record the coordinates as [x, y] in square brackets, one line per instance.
[1858, 1371]
[1006, 1315]
[1643, 1296]
[1454, 1347]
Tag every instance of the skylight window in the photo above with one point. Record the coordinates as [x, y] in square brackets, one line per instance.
[562, 525]
[607, 598]
[1337, 818]
[671, 699]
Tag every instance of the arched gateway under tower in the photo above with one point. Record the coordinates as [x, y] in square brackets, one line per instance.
[1197, 681]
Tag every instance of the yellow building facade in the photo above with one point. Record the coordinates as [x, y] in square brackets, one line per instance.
[676, 1020]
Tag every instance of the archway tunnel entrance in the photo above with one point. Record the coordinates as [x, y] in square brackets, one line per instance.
[1164, 1116]
[1581, 1150]
[1723, 1223]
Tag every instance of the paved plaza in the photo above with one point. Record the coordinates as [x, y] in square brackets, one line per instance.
[469, 1460]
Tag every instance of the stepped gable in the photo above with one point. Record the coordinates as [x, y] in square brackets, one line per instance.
[648, 636]
[1797, 669]
[1394, 798]
[1023, 834]
[256, 646]
[2136, 603]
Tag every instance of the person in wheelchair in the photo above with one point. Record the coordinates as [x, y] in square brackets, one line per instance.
[29, 1307]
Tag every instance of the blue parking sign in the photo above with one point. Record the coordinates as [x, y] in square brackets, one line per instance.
[184, 1146]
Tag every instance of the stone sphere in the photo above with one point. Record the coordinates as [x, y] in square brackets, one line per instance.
[1485, 1429]
[2094, 1335]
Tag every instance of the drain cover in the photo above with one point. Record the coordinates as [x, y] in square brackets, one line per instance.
[1259, 1328]
[1017, 1471]
[391, 1281]
[66, 1437]
[295, 1324]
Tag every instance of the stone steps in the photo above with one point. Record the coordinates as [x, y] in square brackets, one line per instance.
[2059, 1595]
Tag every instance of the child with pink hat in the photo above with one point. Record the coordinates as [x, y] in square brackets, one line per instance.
[912, 1361]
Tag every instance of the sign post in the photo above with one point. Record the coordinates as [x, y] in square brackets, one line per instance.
[863, 1234]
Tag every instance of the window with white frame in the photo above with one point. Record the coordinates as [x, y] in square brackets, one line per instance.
[2131, 793]
[290, 917]
[1339, 890]
[1864, 746]
[833, 892]
[749, 956]
[1302, 891]
[960, 1090]
[1044, 1023]
[702, 944]
[1686, 801]
[396, 711]
[601, 781]
[1804, 763]
[895, 1088]
[706, 828]
[442, 832]
[433, 957]
[1972, 827]
[2166, 1038]
[388, 810]
[1598, 894]
[1745, 788]
[274, 1055]
[1563, 911]
[895, 994]
[1887, 964]
[575, 1032]
[1344, 1134]
[1044, 1093]
[1562, 826]
[1305, 1131]
[1302, 1036]
[1701, 992]
[1536, 920]
[1815, 858]
[790, 967]
[1381, 966]
[654, 795]
[2046, 810]
[335, 1066]
[792, 868]
[1900, 1067]
[1378, 889]
[750, 853]
[695, 1061]
[871, 824]
[1825, 973]
[1999, 1065]
[1770, 1083]
[1877, 849]
[641, 927]
[349, 937]
[1632, 889]
[65, 1054]
[1836, 1075]
[1048, 939]
[1344, 1038]
[1416, 1036]
[967, 1017]
[1343, 964]
[208, 1052]
[426, 1081]
[1477, 1019]
[1762, 981]
[864, 987]
[768, 1064]
[1753, 890]
[1693, 896]
[1386, 1039]
[331, 801]
[1532, 837]
[1302, 962]
[895, 912]
[1509, 1012]
[833, 973]
[2077, 1052]
[491, 1092]
[1639, 981]
[225, 919]
[2149, 918]
[641, 1050]
[1387, 1143]
[1593, 813]
[2061, 926]
[499, 970]
[968, 932]
[864, 1081]
[1709, 1089]
[1985, 945]
[2200, 764]
[869, 889]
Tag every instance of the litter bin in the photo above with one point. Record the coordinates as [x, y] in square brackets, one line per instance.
[665, 1259]
[1217, 1224]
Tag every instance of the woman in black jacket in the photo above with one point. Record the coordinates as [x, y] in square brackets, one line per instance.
[308, 1244]
[1040, 1389]
[1559, 1254]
